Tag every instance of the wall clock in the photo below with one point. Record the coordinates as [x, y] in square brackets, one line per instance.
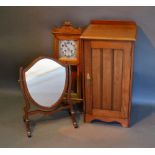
[67, 43]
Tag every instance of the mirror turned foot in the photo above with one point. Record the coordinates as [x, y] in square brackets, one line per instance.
[72, 113]
[75, 125]
[29, 134]
[27, 123]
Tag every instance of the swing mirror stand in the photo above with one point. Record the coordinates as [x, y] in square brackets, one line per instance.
[44, 84]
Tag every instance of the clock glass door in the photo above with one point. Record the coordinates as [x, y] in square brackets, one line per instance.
[68, 50]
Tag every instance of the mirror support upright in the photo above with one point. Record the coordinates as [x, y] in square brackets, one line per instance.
[69, 100]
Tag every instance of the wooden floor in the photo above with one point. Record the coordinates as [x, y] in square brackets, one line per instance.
[57, 131]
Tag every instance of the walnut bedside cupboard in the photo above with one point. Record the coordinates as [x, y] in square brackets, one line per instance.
[107, 51]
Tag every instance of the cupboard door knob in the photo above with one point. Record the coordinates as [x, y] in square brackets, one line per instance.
[88, 76]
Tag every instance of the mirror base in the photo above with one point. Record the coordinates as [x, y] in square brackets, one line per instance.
[29, 113]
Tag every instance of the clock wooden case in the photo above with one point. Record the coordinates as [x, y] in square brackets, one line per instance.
[67, 43]
[67, 50]
[107, 50]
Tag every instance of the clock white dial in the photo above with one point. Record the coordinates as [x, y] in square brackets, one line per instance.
[67, 48]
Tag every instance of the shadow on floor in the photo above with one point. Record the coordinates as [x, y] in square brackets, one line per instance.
[140, 112]
[50, 118]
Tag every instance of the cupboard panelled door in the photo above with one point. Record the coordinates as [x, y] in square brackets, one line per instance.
[107, 78]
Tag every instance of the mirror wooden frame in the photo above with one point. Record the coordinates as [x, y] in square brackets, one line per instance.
[59, 105]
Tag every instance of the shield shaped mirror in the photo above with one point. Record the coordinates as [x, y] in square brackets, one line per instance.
[45, 82]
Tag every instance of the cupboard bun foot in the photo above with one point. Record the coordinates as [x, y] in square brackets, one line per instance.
[125, 124]
[87, 119]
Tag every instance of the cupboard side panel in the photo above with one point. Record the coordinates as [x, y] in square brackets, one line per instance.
[131, 79]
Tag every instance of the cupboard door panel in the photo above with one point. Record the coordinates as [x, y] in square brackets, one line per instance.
[96, 76]
[107, 67]
[117, 80]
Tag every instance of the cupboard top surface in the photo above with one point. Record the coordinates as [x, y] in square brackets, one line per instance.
[110, 30]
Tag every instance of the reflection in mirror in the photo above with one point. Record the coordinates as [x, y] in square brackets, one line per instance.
[46, 82]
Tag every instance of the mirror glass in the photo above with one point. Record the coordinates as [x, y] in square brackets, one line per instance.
[46, 81]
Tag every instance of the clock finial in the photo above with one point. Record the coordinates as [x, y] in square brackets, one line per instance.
[67, 23]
